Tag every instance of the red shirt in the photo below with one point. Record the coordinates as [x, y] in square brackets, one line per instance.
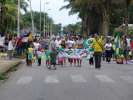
[40, 49]
[132, 45]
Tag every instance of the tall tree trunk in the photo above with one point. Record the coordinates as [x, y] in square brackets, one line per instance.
[88, 25]
[84, 26]
[105, 23]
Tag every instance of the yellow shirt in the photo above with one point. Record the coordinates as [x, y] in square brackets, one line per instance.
[30, 50]
[97, 45]
[30, 37]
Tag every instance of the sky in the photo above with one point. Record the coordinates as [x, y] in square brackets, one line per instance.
[54, 12]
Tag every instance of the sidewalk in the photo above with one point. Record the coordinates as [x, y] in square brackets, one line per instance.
[5, 65]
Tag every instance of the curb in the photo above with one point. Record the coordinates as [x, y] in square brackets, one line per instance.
[7, 67]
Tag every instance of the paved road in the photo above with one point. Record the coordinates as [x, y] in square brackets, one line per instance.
[112, 82]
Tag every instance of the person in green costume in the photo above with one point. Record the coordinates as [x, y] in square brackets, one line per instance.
[53, 56]
[47, 57]
[85, 43]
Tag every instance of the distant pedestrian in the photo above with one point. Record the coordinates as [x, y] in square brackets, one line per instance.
[47, 57]
[132, 48]
[108, 51]
[53, 56]
[39, 55]
[30, 55]
[91, 53]
[10, 48]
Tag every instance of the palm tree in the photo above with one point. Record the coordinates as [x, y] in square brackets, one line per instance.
[8, 14]
[95, 13]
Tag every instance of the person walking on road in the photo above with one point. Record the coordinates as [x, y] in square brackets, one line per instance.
[108, 51]
[53, 54]
[98, 49]
[39, 55]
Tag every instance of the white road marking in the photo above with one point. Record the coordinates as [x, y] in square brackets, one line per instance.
[51, 79]
[24, 80]
[128, 79]
[78, 79]
[104, 78]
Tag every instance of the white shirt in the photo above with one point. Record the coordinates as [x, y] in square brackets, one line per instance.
[36, 45]
[2, 39]
[58, 43]
[10, 45]
[25, 39]
[70, 43]
[108, 46]
[128, 42]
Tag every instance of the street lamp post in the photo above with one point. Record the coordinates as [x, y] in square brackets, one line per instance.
[40, 16]
[18, 19]
[44, 19]
[45, 3]
[32, 19]
[51, 29]
[0, 12]
[47, 24]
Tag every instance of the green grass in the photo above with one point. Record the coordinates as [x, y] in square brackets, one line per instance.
[4, 76]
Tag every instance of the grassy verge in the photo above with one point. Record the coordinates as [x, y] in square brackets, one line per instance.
[14, 67]
[3, 76]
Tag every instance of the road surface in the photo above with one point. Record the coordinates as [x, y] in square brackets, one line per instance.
[112, 82]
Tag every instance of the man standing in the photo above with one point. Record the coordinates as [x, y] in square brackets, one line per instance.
[98, 49]
[10, 48]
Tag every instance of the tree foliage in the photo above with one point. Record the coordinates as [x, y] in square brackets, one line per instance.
[72, 28]
[8, 14]
[96, 15]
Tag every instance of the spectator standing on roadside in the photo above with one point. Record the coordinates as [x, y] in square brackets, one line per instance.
[6, 42]
[132, 47]
[10, 48]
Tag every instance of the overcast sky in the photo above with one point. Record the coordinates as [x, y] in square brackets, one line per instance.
[57, 15]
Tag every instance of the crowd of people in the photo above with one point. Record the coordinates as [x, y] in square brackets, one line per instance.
[75, 50]
[72, 49]
[13, 45]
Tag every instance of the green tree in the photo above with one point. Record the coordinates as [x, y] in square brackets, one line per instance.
[8, 14]
[72, 28]
[26, 21]
[96, 13]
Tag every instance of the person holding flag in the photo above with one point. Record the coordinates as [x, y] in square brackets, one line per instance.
[98, 49]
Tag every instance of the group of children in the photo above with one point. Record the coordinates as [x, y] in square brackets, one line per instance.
[73, 55]
[34, 55]
[61, 54]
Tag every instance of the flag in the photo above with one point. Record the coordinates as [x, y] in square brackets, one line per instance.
[117, 44]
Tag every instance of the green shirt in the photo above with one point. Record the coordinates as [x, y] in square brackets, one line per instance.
[47, 54]
[85, 43]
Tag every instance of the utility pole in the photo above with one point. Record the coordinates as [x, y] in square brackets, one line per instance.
[0, 12]
[32, 19]
[51, 29]
[18, 19]
[44, 20]
[40, 16]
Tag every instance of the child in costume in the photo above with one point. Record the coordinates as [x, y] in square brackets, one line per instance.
[53, 56]
[39, 55]
[30, 55]
[90, 53]
[76, 57]
[47, 57]
[70, 54]
[60, 56]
